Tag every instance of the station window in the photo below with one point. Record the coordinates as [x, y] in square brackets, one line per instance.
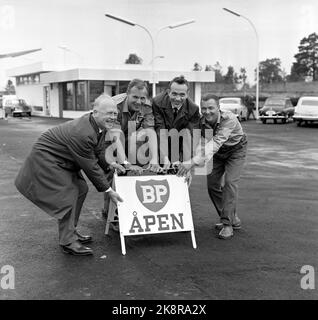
[81, 96]
[68, 93]
[96, 88]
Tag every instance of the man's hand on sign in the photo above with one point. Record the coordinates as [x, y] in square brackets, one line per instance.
[114, 196]
[154, 167]
[166, 164]
[184, 167]
[118, 167]
[188, 178]
[133, 168]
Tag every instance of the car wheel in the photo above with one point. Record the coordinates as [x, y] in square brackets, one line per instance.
[275, 121]
[264, 121]
[298, 123]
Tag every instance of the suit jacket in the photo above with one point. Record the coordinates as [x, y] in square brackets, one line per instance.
[188, 116]
[49, 176]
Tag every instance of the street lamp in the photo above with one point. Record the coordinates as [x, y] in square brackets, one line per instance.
[156, 57]
[133, 24]
[65, 48]
[257, 50]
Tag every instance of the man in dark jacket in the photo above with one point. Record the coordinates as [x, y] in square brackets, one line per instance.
[248, 100]
[173, 109]
[51, 175]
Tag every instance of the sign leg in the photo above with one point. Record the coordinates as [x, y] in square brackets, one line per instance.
[122, 242]
[110, 215]
[194, 244]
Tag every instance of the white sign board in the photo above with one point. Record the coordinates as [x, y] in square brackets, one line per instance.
[153, 204]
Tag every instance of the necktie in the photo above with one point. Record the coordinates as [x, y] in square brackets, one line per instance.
[175, 112]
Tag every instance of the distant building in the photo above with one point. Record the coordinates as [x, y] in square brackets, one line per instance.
[29, 87]
[70, 93]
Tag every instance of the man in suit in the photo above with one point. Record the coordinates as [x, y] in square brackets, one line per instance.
[51, 175]
[173, 109]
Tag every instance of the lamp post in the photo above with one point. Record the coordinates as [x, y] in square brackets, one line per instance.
[257, 51]
[65, 48]
[133, 24]
[156, 57]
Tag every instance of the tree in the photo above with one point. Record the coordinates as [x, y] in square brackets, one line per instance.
[197, 67]
[133, 59]
[10, 89]
[242, 79]
[218, 73]
[231, 76]
[306, 59]
[297, 73]
[242, 76]
[270, 71]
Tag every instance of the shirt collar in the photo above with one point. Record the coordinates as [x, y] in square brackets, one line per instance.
[204, 121]
[177, 108]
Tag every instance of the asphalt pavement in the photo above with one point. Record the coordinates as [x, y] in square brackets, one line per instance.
[278, 202]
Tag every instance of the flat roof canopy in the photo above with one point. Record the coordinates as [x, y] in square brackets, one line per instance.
[123, 75]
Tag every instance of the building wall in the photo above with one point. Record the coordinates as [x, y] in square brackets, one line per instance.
[73, 114]
[290, 89]
[294, 89]
[54, 100]
[33, 95]
[197, 93]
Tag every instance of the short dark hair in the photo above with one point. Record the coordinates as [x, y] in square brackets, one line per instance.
[208, 96]
[140, 84]
[179, 80]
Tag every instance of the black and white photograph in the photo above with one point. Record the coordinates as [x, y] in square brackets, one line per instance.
[158, 151]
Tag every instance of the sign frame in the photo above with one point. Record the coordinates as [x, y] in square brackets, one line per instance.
[118, 181]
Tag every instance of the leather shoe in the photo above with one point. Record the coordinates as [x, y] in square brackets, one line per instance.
[83, 239]
[77, 249]
[115, 223]
[115, 226]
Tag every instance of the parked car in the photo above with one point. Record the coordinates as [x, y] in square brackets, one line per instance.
[277, 108]
[234, 105]
[17, 107]
[306, 110]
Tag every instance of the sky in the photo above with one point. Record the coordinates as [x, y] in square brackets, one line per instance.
[94, 41]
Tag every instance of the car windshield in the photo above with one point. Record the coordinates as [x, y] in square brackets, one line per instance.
[275, 102]
[309, 103]
[229, 101]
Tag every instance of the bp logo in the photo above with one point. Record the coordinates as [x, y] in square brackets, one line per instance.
[153, 194]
